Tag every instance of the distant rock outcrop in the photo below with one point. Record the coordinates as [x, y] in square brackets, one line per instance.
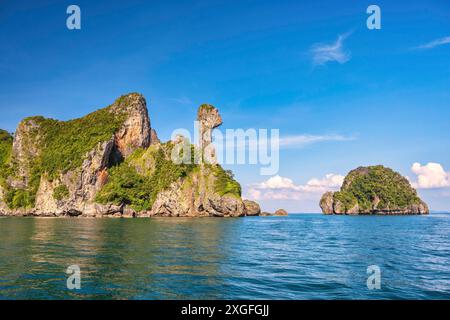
[252, 208]
[111, 163]
[280, 212]
[374, 190]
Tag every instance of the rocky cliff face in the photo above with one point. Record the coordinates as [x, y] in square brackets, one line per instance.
[197, 196]
[117, 131]
[209, 118]
[374, 190]
[109, 163]
[252, 208]
[135, 131]
[281, 212]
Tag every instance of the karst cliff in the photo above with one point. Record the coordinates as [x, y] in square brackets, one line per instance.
[111, 163]
[374, 190]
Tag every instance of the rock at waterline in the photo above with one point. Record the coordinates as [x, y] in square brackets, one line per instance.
[266, 214]
[252, 208]
[281, 212]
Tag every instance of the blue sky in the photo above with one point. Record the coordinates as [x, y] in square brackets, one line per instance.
[386, 94]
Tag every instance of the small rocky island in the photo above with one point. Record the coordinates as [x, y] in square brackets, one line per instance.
[111, 163]
[374, 190]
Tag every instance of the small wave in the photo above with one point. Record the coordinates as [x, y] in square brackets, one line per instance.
[439, 215]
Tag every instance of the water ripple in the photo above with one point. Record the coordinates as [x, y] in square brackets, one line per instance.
[295, 257]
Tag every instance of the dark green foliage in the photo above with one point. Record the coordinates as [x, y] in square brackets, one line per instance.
[225, 183]
[19, 198]
[60, 192]
[14, 198]
[23, 198]
[204, 107]
[347, 199]
[62, 146]
[364, 185]
[167, 172]
[126, 186]
[6, 141]
[65, 144]
[124, 100]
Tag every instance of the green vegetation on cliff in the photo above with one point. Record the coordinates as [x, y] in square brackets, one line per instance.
[376, 185]
[225, 183]
[140, 178]
[139, 189]
[347, 199]
[60, 192]
[204, 108]
[6, 141]
[65, 143]
[126, 186]
[61, 145]
[17, 198]
[93, 153]
[20, 197]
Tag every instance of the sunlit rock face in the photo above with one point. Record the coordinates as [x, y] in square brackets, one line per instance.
[209, 118]
[111, 163]
[252, 208]
[126, 127]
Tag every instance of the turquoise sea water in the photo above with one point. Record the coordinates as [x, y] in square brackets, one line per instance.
[304, 256]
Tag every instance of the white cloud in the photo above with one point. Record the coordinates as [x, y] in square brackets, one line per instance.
[430, 176]
[323, 53]
[435, 43]
[331, 181]
[282, 188]
[277, 182]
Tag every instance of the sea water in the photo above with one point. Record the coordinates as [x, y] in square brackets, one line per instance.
[302, 256]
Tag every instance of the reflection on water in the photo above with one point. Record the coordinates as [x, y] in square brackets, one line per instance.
[295, 257]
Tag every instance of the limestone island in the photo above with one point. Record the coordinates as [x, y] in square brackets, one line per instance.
[374, 190]
[111, 163]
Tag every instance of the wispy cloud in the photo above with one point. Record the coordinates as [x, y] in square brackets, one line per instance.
[328, 52]
[435, 43]
[304, 140]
